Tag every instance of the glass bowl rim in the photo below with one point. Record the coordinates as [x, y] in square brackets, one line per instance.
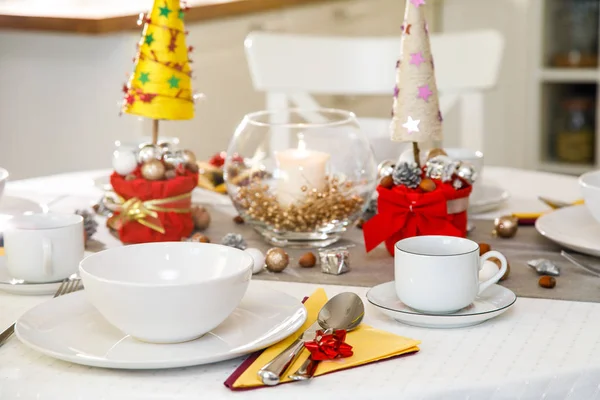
[347, 117]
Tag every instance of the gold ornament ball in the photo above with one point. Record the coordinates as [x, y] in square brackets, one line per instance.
[506, 226]
[188, 156]
[435, 152]
[277, 259]
[153, 170]
[201, 217]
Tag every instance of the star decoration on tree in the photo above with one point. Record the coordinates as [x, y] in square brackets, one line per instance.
[406, 28]
[164, 11]
[147, 97]
[181, 13]
[417, 3]
[174, 82]
[144, 77]
[129, 99]
[417, 58]
[172, 47]
[396, 91]
[424, 92]
[149, 39]
[412, 125]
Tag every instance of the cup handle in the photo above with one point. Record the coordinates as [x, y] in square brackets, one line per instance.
[47, 256]
[484, 285]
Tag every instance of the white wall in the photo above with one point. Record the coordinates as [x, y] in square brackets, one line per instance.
[506, 107]
[58, 97]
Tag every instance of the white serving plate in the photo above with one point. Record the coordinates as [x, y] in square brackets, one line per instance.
[71, 329]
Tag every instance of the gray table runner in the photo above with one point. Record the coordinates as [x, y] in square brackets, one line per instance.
[378, 266]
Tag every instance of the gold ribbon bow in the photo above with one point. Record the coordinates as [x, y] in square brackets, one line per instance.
[146, 212]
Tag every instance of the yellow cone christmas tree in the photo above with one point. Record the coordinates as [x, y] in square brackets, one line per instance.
[160, 86]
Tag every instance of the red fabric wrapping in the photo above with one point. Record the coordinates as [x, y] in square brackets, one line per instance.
[176, 225]
[404, 212]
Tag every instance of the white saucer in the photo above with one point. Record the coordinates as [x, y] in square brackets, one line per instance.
[10, 285]
[573, 228]
[491, 303]
[69, 328]
[488, 199]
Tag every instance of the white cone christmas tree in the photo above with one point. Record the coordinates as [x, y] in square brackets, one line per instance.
[416, 116]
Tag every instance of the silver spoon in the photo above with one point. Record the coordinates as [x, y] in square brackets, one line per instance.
[344, 311]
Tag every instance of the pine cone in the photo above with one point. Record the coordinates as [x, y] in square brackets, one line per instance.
[407, 174]
[234, 240]
[89, 223]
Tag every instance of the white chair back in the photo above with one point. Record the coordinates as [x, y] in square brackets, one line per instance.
[289, 68]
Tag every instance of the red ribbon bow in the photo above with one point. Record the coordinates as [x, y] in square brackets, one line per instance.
[329, 346]
[403, 213]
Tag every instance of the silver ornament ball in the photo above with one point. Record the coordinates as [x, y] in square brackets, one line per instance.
[148, 152]
[467, 173]
[172, 160]
[165, 147]
[385, 168]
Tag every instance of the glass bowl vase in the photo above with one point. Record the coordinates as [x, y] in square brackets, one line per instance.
[300, 177]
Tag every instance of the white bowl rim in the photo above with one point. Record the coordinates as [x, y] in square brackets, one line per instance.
[585, 184]
[3, 174]
[249, 258]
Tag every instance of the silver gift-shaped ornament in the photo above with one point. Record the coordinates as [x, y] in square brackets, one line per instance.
[335, 261]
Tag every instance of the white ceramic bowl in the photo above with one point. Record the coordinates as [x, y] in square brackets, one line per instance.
[166, 292]
[590, 189]
[3, 179]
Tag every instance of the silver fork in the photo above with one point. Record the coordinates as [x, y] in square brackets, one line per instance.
[69, 285]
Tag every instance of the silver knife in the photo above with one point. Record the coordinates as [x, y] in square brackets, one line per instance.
[272, 372]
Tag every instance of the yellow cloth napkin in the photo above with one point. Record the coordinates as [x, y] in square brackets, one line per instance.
[368, 345]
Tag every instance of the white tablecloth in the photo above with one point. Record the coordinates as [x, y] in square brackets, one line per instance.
[538, 349]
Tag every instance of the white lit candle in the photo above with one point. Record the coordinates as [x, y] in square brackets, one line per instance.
[300, 168]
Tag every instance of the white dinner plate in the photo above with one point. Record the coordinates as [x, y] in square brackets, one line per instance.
[70, 328]
[573, 228]
[9, 285]
[489, 198]
[491, 303]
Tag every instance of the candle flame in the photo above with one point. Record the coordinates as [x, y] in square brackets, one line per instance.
[301, 143]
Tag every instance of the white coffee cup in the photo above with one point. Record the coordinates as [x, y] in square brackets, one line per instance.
[476, 159]
[44, 247]
[440, 274]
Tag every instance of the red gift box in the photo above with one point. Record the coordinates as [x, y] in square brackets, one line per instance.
[167, 204]
[403, 212]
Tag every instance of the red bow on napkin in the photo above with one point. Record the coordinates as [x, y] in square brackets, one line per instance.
[329, 346]
[404, 213]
